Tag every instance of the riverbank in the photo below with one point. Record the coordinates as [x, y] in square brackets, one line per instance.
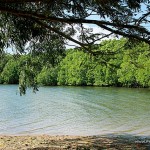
[45, 142]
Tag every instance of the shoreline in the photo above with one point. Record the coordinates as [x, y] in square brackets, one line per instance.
[48, 142]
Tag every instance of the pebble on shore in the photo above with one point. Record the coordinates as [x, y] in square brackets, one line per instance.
[46, 142]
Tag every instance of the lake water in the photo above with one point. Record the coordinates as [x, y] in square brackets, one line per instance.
[75, 111]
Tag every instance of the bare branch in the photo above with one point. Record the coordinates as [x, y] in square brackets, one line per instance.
[143, 17]
[60, 33]
[125, 34]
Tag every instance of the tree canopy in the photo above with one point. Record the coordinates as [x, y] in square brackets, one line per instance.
[24, 22]
[44, 27]
[128, 68]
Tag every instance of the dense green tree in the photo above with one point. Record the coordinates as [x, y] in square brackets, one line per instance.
[127, 73]
[48, 76]
[143, 72]
[107, 64]
[80, 68]
[3, 61]
[73, 68]
[143, 63]
[10, 72]
[122, 67]
[91, 63]
[76, 69]
[99, 75]
[111, 76]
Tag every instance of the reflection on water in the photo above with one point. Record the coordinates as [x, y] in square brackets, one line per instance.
[75, 111]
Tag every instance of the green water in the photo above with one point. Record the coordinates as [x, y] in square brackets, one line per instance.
[75, 111]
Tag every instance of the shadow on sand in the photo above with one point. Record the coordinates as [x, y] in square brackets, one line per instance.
[106, 142]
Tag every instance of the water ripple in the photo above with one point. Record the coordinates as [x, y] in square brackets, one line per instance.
[75, 111]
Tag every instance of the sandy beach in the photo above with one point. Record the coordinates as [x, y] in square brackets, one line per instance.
[46, 142]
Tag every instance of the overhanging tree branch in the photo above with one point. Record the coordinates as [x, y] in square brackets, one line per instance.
[21, 1]
[60, 33]
[48, 14]
[67, 20]
[125, 34]
[103, 24]
[52, 21]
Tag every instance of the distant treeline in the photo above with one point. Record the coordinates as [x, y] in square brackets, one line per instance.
[115, 65]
